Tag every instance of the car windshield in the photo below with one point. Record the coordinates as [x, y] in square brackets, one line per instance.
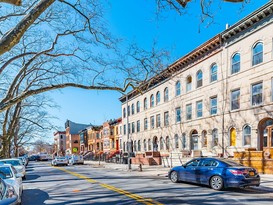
[12, 162]
[58, 158]
[5, 173]
[232, 163]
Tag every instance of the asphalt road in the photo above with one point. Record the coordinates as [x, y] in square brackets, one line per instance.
[83, 184]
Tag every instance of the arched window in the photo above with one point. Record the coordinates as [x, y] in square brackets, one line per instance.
[124, 112]
[176, 144]
[157, 97]
[257, 53]
[204, 138]
[149, 145]
[235, 63]
[166, 95]
[214, 137]
[177, 88]
[213, 73]
[188, 83]
[133, 109]
[232, 137]
[247, 135]
[199, 79]
[167, 143]
[161, 144]
[152, 101]
[144, 145]
[138, 106]
[138, 146]
[145, 104]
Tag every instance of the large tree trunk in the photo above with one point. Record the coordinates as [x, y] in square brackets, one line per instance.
[5, 151]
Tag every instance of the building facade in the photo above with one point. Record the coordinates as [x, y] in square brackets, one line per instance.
[214, 101]
[59, 143]
[72, 130]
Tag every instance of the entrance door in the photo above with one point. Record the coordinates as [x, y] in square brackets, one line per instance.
[268, 137]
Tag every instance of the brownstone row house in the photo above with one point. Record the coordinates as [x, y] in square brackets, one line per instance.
[89, 140]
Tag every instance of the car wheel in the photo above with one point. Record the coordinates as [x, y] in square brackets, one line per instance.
[24, 177]
[217, 183]
[174, 177]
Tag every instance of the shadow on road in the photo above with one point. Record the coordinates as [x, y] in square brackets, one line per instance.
[32, 177]
[37, 196]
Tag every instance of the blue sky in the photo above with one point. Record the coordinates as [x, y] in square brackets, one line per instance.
[135, 21]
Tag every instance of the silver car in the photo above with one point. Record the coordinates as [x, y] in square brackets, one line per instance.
[10, 176]
[20, 168]
[59, 161]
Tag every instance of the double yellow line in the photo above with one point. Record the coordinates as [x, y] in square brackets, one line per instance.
[107, 186]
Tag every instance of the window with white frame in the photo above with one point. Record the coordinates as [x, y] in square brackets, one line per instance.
[199, 109]
[128, 110]
[213, 105]
[178, 114]
[138, 146]
[204, 140]
[235, 63]
[145, 123]
[247, 135]
[199, 79]
[145, 102]
[166, 95]
[157, 97]
[124, 129]
[152, 122]
[177, 88]
[257, 53]
[166, 118]
[158, 124]
[133, 109]
[138, 107]
[145, 145]
[176, 142]
[188, 83]
[215, 137]
[152, 101]
[213, 73]
[235, 99]
[189, 111]
[138, 126]
[184, 141]
[133, 127]
[257, 94]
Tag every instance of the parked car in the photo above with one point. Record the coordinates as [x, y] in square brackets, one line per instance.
[59, 161]
[217, 173]
[34, 158]
[24, 160]
[9, 174]
[8, 195]
[20, 168]
[76, 159]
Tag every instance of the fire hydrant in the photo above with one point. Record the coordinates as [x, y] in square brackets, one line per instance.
[140, 167]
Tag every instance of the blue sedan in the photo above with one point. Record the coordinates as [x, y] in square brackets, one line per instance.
[216, 173]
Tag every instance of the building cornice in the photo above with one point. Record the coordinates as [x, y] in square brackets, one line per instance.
[248, 21]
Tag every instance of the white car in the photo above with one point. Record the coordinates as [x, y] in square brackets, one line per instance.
[20, 168]
[59, 161]
[76, 159]
[9, 174]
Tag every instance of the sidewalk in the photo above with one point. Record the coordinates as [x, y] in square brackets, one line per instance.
[160, 171]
